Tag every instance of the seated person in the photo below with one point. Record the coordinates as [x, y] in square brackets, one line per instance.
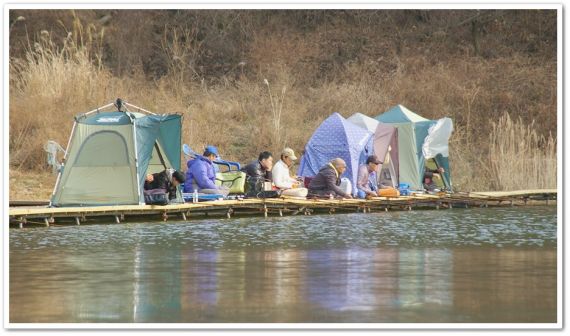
[257, 173]
[327, 181]
[430, 175]
[168, 180]
[282, 178]
[201, 175]
[366, 184]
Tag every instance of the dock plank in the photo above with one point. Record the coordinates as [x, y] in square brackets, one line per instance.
[281, 205]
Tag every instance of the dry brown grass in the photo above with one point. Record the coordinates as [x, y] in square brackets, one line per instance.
[33, 186]
[519, 158]
[242, 116]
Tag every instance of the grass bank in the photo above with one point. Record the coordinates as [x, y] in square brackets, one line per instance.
[501, 106]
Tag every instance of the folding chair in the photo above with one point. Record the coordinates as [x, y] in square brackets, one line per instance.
[232, 178]
[189, 153]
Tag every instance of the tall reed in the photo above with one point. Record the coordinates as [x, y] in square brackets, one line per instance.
[519, 158]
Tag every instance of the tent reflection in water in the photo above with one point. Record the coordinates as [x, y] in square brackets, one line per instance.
[421, 142]
[110, 153]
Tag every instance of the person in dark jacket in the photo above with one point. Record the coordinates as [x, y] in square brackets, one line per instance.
[327, 181]
[201, 174]
[258, 172]
[430, 175]
[168, 180]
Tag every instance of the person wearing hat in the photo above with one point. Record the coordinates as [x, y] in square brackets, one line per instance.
[367, 181]
[282, 178]
[201, 174]
[366, 184]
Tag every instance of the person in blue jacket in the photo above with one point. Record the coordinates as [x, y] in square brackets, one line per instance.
[201, 174]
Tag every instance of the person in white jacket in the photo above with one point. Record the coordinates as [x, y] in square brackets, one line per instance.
[283, 180]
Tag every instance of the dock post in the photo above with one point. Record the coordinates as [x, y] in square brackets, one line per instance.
[265, 210]
[511, 202]
[46, 220]
[280, 212]
[77, 221]
[183, 215]
[164, 216]
[117, 220]
[298, 210]
[229, 213]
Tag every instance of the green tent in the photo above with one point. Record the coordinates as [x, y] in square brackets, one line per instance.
[110, 153]
[419, 139]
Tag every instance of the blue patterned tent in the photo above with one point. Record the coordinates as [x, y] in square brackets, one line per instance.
[337, 138]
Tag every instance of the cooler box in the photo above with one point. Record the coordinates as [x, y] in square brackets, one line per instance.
[189, 197]
[235, 180]
[404, 189]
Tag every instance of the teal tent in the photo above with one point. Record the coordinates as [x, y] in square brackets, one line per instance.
[110, 153]
[420, 141]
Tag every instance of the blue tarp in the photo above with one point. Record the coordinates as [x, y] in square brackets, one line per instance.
[337, 138]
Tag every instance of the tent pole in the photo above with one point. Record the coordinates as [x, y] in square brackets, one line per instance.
[131, 105]
[141, 200]
[97, 109]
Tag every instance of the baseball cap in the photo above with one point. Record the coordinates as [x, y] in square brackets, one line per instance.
[211, 149]
[289, 152]
[373, 159]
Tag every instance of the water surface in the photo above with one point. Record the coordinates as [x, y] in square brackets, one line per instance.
[459, 265]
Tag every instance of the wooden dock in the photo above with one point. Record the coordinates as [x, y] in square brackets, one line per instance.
[22, 213]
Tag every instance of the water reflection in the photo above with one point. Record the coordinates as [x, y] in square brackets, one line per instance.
[521, 283]
[469, 265]
[348, 285]
[157, 285]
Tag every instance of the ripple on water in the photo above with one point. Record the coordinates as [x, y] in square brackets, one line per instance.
[532, 226]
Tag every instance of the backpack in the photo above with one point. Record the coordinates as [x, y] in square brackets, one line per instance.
[156, 197]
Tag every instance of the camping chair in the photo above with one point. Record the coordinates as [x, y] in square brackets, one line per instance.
[189, 153]
[232, 178]
[52, 148]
